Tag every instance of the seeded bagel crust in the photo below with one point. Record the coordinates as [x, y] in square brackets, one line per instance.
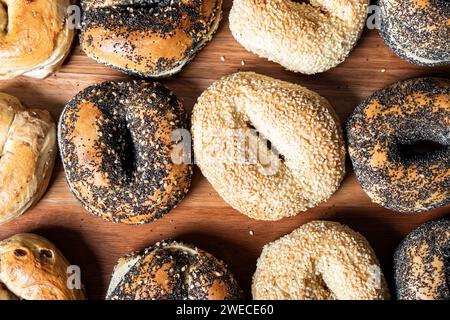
[300, 124]
[380, 132]
[303, 37]
[422, 263]
[319, 261]
[417, 30]
[172, 270]
[117, 149]
[148, 38]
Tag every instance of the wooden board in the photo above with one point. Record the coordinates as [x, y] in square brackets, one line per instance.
[203, 218]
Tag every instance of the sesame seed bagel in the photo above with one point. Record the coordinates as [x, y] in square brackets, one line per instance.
[417, 30]
[116, 146]
[148, 38]
[35, 37]
[321, 260]
[303, 37]
[270, 148]
[27, 155]
[32, 268]
[422, 263]
[172, 270]
[382, 134]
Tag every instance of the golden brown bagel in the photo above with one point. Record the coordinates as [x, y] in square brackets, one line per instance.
[145, 37]
[231, 123]
[321, 260]
[381, 134]
[27, 155]
[172, 270]
[417, 30]
[303, 37]
[422, 263]
[35, 37]
[32, 268]
[117, 148]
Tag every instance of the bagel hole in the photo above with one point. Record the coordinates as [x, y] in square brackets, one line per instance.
[275, 150]
[269, 145]
[20, 253]
[419, 148]
[325, 288]
[319, 8]
[48, 254]
[128, 159]
[118, 148]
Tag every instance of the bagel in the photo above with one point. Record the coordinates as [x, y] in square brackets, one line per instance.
[35, 37]
[27, 156]
[116, 147]
[303, 37]
[301, 165]
[171, 270]
[32, 268]
[417, 31]
[148, 38]
[319, 261]
[382, 133]
[422, 263]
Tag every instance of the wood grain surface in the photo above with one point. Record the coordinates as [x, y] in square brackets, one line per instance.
[203, 218]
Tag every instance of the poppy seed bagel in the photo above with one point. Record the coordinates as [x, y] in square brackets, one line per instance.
[384, 133]
[417, 30]
[148, 38]
[422, 263]
[303, 37]
[116, 146]
[321, 260]
[269, 148]
[172, 270]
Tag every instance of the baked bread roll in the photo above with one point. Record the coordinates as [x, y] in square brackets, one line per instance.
[417, 31]
[32, 268]
[28, 149]
[270, 148]
[148, 38]
[382, 133]
[35, 37]
[117, 146]
[321, 260]
[172, 270]
[303, 36]
[422, 263]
